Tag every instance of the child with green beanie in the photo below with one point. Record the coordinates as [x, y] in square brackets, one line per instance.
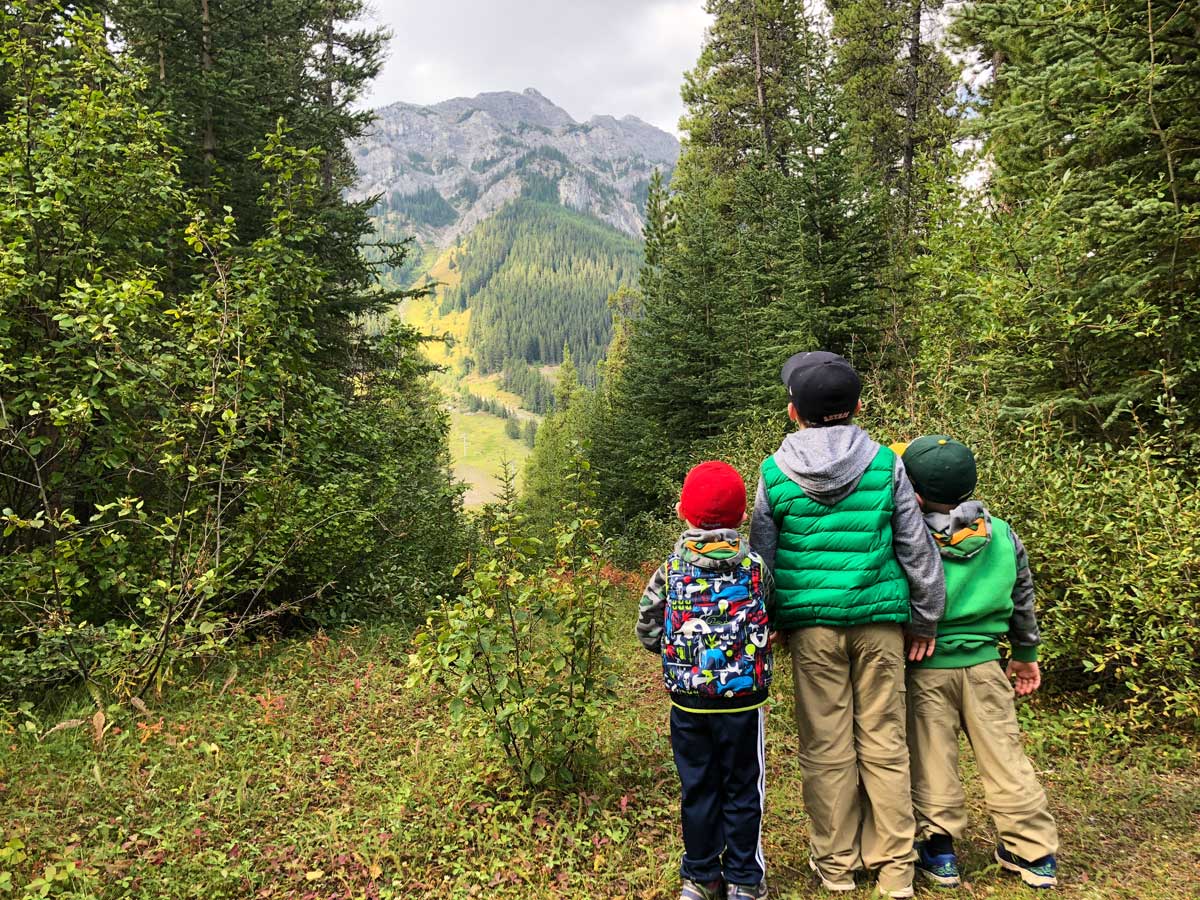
[989, 594]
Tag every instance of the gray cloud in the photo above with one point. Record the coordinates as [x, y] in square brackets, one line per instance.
[589, 56]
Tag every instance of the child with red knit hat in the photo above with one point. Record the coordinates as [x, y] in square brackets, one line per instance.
[705, 613]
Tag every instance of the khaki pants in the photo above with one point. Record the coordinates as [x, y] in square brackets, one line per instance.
[979, 700]
[850, 716]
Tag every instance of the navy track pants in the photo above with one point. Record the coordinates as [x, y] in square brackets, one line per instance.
[722, 774]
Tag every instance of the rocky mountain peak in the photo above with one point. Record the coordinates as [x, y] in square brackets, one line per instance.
[510, 108]
[443, 168]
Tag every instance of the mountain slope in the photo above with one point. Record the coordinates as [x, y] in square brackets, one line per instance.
[537, 276]
[445, 168]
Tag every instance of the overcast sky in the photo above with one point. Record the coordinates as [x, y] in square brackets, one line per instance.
[589, 56]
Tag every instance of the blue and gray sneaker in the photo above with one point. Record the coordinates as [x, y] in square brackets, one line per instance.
[695, 890]
[1037, 873]
[938, 864]
[747, 891]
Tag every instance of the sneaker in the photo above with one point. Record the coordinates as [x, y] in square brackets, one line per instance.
[939, 867]
[840, 887]
[694, 890]
[1037, 873]
[895, 893]
[746, 891]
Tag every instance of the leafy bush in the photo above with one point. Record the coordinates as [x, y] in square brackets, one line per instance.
[1110, 532]
[523, 646]
[177, 470]
[1111, 535]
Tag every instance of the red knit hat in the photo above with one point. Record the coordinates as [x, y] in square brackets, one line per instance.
[714, 496]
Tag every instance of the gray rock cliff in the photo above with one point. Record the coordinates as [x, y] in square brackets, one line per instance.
[444, 168]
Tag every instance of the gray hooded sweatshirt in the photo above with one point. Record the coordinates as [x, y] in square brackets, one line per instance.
[827, 463]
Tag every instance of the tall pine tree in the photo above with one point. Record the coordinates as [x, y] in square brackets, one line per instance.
[770, 242]
[1088, 253]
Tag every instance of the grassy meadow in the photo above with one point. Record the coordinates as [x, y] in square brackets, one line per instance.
[478, 445]
[309, 770]
[480, 448]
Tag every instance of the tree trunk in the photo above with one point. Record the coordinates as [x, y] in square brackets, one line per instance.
[208, 144]
[327, 97]
[760, 88]
[912, 109]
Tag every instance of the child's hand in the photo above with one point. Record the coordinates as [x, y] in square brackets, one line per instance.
[1027, 675]
[919, 648]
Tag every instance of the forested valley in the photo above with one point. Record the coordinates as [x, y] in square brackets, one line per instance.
[254, 642]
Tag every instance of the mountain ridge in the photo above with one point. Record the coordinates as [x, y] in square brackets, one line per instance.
[442, 169]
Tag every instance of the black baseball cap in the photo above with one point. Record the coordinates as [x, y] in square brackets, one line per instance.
[823, 387]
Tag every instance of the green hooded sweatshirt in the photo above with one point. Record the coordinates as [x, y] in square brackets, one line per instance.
[989, 590]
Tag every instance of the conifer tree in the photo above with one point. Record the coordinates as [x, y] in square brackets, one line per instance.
[743, 91]
[567, 385]
[898, 94]
[753, 256]
[225, 74]
[1088, 254]
[899, 88]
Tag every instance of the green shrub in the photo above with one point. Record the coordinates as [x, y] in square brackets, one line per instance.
[178, 469]
[523, 646]
[1111, 534]
[1112, 538]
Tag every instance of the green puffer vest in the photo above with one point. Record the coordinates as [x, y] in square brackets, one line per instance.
[835, 564]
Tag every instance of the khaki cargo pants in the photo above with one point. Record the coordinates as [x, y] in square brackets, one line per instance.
[850, 716]
[979, 701]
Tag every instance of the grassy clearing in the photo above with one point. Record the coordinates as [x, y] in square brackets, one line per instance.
[423, 314]
[478, 445]
[488, 387]
[479, 448]
[316, 774]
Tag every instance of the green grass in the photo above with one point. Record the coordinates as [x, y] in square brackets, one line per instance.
[488, 387]
[479, 448]
[487, 447]
[314, 773]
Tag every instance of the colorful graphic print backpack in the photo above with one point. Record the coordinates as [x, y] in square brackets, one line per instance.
[715, 630]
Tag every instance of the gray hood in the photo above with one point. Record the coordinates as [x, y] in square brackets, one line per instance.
[963, 532]
[827, 463]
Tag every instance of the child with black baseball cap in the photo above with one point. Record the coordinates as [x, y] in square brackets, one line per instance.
[705, 612]
[837, 520]
[989, 594]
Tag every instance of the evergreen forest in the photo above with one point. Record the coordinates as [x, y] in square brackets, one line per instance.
[536, 278]
[1012, 258]
[251, 642]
